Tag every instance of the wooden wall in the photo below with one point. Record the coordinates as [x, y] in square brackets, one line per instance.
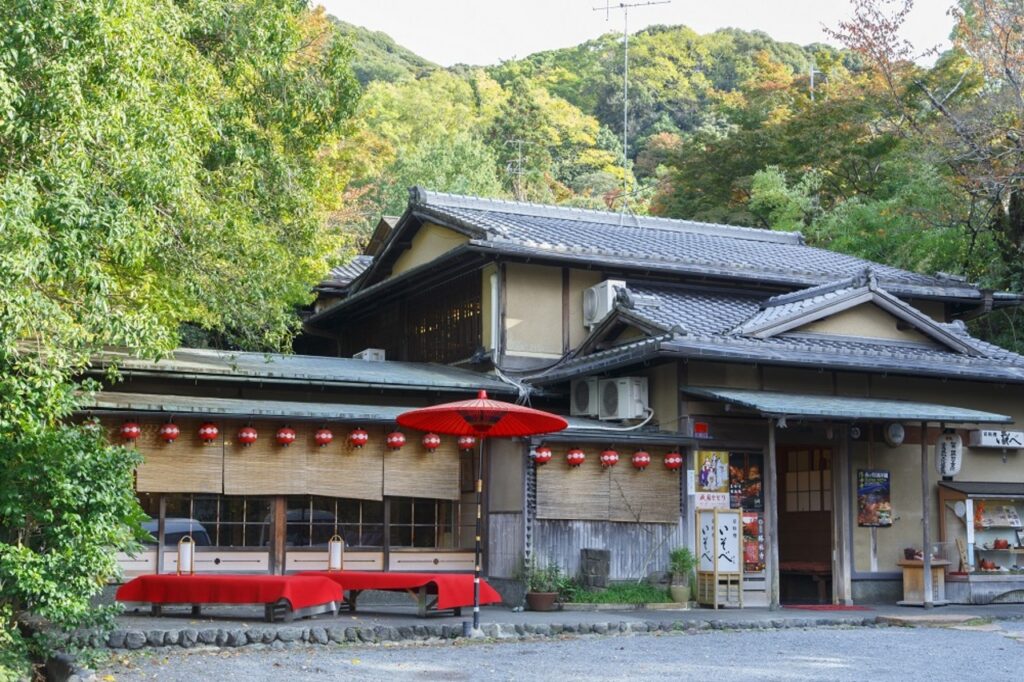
[636, 548]
[620, 493]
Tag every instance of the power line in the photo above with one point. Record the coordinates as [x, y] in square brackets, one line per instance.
[625, 7]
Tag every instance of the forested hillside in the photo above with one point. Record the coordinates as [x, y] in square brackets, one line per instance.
[919, 167]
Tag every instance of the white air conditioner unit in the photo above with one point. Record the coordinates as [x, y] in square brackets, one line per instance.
[622, 398]
[370, 355]
[598, 301]
[583, 402]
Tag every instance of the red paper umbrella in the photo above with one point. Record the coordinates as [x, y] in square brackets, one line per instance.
[358, 438]
[247, 435]
[641, 458]
[323, 437]
[575, 457]
[130, 431]
[542, 455]
[431, 441]
[169, 432]
[483, 418]
[208, 432]
[609, 458]
[467, 442]
[673, 461]
[286, 435]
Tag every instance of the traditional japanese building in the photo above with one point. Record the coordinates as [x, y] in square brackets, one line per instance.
[727, 367]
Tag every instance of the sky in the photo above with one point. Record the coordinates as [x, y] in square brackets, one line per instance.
[483, 32]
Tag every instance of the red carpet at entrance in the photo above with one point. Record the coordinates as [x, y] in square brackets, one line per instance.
[825, 607]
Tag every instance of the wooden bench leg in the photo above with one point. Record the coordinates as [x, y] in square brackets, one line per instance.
[421, 602]
[350, 600]
[197, 610]
[457, 611]
[156, 610]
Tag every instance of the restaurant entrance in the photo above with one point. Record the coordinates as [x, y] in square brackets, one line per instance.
[805, 524]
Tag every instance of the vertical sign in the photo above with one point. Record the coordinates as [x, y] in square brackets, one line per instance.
[949, 451]
[874, 506]
[712, 468]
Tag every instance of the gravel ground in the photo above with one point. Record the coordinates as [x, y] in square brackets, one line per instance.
[990, 653]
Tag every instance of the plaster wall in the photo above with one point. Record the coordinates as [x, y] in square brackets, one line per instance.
[533, 314]
[430, 242]
[505, 491]
[866, 320]
[663, 393]
[579, 280]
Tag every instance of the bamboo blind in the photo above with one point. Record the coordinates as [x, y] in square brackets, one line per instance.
[265, 468]
[414, 472]
[185, 466]
[339, 470]
[621, 493]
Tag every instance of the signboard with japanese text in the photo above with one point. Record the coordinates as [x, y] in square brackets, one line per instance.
[992, 438]
[949, 454]
[712, 472]
[719, 540]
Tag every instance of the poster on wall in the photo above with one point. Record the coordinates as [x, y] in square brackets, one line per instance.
[712, 469]
[874, 507]
[753, 542]
[745, 481]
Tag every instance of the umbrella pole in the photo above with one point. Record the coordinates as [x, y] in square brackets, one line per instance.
[479, 532]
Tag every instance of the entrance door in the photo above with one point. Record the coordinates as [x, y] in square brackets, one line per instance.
[805, 524]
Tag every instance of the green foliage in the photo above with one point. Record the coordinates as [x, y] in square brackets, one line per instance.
[546, 578]
[379, 58]
[621, 593]
[161, 162]
[681, 562]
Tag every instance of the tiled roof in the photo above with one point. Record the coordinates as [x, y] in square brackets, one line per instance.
[342, 275]
[680, 246]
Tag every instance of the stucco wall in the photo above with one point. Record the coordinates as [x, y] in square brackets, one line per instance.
[429, 243]
[866, 320]
[533, 314]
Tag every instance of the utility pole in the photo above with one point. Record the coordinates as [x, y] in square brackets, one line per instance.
[515, 169]
[813, 70]
[625, 7]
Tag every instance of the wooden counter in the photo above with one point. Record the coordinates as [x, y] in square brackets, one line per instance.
[913, 582]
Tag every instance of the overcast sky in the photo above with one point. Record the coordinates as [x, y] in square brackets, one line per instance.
[486, 31]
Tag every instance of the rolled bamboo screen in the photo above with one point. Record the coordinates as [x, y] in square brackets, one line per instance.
[414, 472]
[187, 465]
[266, 468]
[339, 470]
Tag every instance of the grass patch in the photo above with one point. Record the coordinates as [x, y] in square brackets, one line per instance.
[621, 593]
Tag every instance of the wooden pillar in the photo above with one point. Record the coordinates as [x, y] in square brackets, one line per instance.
[926, 552]
[161, 532]
[278, 533]
[772, 518]
[842, 511]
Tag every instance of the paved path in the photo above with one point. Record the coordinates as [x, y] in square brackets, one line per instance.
[991, 653]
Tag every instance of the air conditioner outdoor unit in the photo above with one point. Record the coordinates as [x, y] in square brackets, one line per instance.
[623, 398]
[370, 355]
[583, 402]
[598, 301]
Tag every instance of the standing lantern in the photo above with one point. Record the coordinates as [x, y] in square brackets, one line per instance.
[208, 432]
[641, 458]
[482, 418]
[609, 458]
[395, 440]
[431, 441]
[186, 556]
[285, 436]
[323, 437]
[467, 442]
[673, 461]
[542, 455]
[247, 435]
[169, 432]
[131, 431]
[575, 457]
[949, 453]
[358, 438]
[335, 552]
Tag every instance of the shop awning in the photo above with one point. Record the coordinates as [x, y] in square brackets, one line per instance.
[809, 406]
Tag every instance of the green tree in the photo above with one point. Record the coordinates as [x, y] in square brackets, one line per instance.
[160, 162]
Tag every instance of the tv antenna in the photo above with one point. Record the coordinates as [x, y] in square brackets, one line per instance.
[625, 7]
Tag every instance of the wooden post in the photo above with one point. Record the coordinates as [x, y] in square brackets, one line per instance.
[842, 592]
[279, 534]
[772, 518]
[161, 533]
[926, 552]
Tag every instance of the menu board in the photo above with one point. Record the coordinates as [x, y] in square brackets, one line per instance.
[753, 542]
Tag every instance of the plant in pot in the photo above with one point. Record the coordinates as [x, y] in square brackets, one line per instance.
[542, 584]
[681, 563]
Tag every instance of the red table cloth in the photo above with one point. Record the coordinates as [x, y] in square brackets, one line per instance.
[454, 590]
[300, 591]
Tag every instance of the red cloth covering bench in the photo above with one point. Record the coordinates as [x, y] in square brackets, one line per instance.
[450, 590]
[281, 595]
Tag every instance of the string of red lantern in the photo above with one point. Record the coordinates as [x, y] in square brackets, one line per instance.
[208, 432]
[130, 431]
[542, 455]
[247, 435]
[467, 442]
[358, 438]
[673, 461]
[641, 458]
[169, 432]
[285, 436]
[609, 458]
[323, 437]
[431, 441]
[575, 457]
[395, 440]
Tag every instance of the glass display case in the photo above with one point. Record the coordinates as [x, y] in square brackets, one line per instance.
[983, 522]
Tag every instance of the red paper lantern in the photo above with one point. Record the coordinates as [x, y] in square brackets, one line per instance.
[673, 461]
[542, 455]
[169, 432]
[575, 457]
[431, 441]
[467, 442]
[208, 432]
[130, 431]
[285, 436]
[358, 438]
[641, 459]
[395, 440]
[609, 458]
[247, 435]
[323, 437]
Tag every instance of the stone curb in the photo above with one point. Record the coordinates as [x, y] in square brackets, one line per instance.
[188, 638]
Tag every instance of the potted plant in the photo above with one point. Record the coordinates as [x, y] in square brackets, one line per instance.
[681, 563]
[542, 584]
